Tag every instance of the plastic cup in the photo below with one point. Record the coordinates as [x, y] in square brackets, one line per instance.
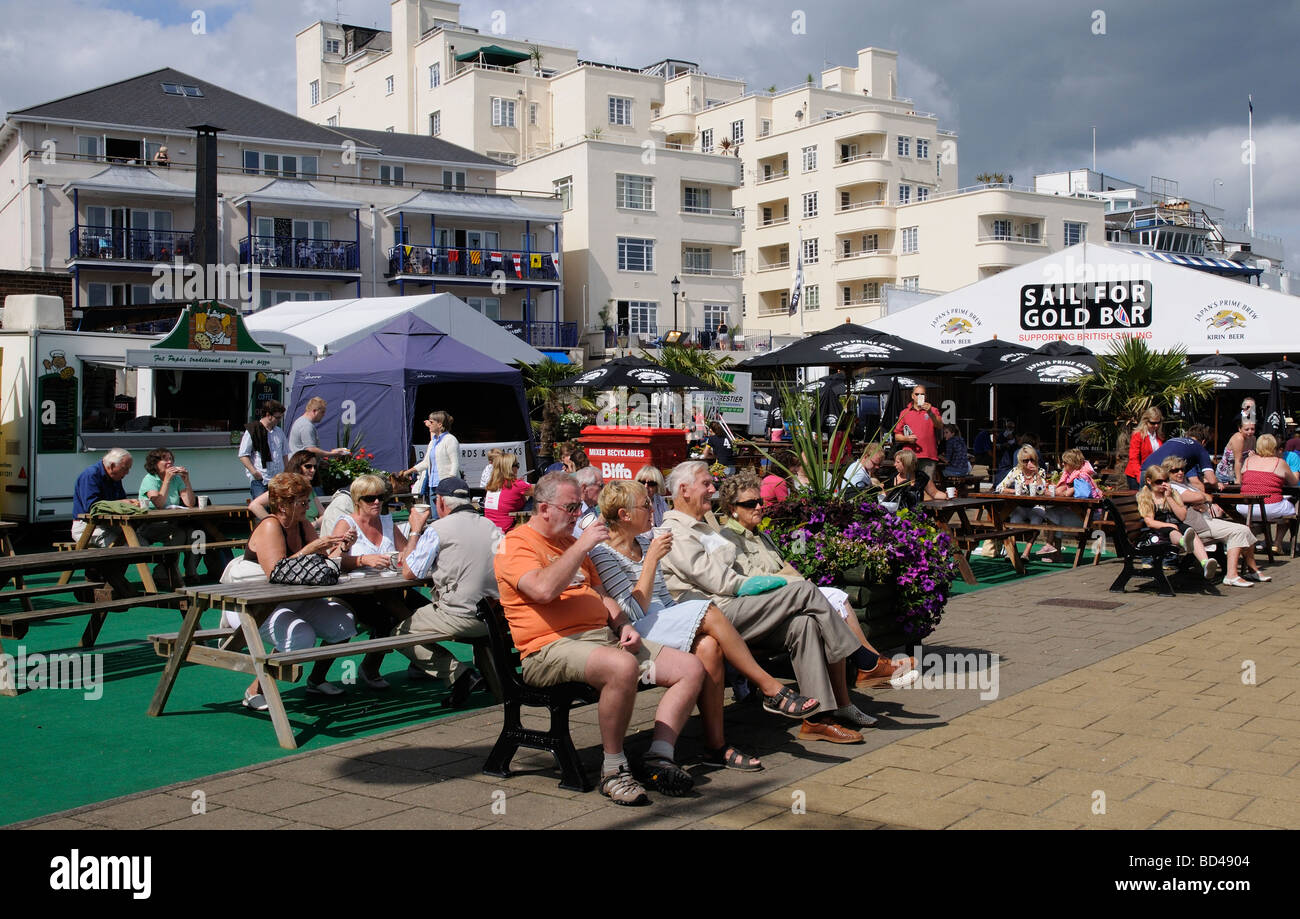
[204, 501]
[656, 532]
[952, 492]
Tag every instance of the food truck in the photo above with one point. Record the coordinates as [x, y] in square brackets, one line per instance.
[66, 397]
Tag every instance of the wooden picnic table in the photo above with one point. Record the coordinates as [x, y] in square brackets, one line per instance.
[180, 516]
[1229, 496]
[241, 649]
[968, 533]
[1084, 507]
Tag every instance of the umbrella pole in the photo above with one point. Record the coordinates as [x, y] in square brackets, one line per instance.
[1216, 419]
[993, 391]
[1057, 418]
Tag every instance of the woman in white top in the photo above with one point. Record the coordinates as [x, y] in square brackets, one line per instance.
[628, 565]
[443, 454]
[379, 547]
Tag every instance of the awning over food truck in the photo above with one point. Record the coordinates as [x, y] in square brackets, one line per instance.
[1093, 294]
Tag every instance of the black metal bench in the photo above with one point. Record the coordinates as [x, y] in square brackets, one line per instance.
[1128, 525]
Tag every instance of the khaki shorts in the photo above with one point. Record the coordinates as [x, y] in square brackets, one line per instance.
[565, 659]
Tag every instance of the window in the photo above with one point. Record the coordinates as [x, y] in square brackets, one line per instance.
[810, 204]
[809, 158]
[435, 123]
[1030, 232]
[904, 194]
[696, 200]
[635, 192]
[388, 86]
[527, 242]
[642, 316]
[1075, 233]
[564, 188]
[88, 146]
[532, 114]
[706, 140]
[282, 165]
[503, 112]
[871, 291]
[810, 251]
[870, 242]
[845, 199]
[912, 283]
[764, 127]
[435, 76]
[332, 121]
[696, 260]
[910, 239]
[636, 254]
[1002, 229]
[391, 175]
[812, 297]
[922, 193]
[332, 45]
[453, 180]
[738, 132]
[313, 89]
[715, 314]
[785, 301]
[846, 296]
[738, 263]
[620, 110]
[310, 166]
[182, 89]
[904, 145]
[922, 148]
[488, 306]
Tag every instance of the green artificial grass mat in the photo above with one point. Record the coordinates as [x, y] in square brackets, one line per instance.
[65, 750]
[995, 572]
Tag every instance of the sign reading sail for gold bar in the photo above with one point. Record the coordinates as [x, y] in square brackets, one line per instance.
[1087, 305]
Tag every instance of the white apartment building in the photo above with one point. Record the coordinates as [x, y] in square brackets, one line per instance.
[866, 184]
[322, 214]
[637, 211]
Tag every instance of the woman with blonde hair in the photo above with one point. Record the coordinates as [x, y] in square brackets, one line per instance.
[653, 480]
[1239, 446]
[1146, 440]
[1264, 473]
[506, 492]
[905, 468]
[628, 565]
[441, 460]
[1163, 516]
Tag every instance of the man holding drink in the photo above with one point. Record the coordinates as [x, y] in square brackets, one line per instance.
[919, 425]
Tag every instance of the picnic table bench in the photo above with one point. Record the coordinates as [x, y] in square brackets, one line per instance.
[1084, 507]
[242, 650]
[966, 533]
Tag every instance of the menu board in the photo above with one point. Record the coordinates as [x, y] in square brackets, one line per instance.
[57, 404]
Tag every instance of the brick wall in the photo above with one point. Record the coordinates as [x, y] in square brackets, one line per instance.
[35, 282]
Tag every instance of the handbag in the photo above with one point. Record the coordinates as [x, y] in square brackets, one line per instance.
[312, 570]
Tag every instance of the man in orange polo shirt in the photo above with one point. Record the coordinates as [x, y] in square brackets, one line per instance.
[567, 629]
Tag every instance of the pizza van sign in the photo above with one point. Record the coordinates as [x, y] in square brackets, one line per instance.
[1088, 305]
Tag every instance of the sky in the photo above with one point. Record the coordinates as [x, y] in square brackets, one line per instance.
[1022, 82]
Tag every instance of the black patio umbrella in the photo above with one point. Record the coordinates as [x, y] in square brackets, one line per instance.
[849, 344]
[634, 372]
[1274, 420]
[992, 354]
[1056, 363]
[879, 383]
[1288, 374]
[1227, 375]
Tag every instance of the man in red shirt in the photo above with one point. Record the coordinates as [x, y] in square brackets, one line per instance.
[918, 426]
[568, 629]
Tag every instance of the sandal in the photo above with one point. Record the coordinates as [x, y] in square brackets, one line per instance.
[789, 703]
[731, 758]
[1257, 576]
[255, 701]
[664, 775]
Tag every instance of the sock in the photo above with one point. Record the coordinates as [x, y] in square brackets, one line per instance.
[661, 748]
[613, 762]
[865, 659]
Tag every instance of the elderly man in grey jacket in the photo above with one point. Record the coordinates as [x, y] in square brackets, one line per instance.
[766, 610]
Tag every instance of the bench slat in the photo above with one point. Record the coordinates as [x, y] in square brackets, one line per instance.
[14, 625]
[24, 593]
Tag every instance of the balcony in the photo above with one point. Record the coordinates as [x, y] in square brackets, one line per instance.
[861, 253]
[281, 253]
[726, 212]
[774, 176]
[774, 266]
[120, 244]
[773, 222]
[474, 265]
[1008, 238]
[860, 205]
[700, 272]
[543, 334]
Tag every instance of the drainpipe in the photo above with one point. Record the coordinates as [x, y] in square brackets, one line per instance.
[373, 245]
[40, 193]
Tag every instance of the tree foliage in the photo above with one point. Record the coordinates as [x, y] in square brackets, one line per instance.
[546, 400]
[696, 362]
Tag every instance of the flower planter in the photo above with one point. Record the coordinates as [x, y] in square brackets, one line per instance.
[877, 608]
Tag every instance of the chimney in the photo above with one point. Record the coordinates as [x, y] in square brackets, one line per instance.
[205, 196]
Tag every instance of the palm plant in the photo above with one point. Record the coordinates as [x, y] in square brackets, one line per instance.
[1129, 380]
[694, 362]
[545, 400]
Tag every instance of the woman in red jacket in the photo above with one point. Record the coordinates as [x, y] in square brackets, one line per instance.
[1147, 438]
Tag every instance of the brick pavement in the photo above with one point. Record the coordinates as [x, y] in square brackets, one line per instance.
[1168, 713]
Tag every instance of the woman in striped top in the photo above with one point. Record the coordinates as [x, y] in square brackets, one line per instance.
[628, 565]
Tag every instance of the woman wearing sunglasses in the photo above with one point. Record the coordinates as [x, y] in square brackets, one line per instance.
[653, 480]
[628, 565]
[378, 546]
[302, 463]
[1164, 518]
[506, 492]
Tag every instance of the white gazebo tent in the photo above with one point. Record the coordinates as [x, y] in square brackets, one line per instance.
[1092, 294]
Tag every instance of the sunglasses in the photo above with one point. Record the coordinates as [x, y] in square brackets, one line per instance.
[567, 508]
[649, 484]
[308, 466]
[370, 499]
[748, 505]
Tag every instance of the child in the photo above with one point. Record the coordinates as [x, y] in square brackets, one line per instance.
[1162, 511]
[1076, 482]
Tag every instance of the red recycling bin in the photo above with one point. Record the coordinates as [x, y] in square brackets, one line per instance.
[618, 452]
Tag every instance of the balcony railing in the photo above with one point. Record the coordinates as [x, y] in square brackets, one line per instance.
[772, 176]
[865, 301]
[303, 254]
[123, 244]
[862, 253]
[700, 272]
[774, 266]
[710, 211]
[443, 261]
[1008, 238]
[858, 157]
[874, 202]
[543, 334]
[774, 222]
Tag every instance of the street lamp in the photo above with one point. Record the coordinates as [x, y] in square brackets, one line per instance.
[676, 285]
[1214, 191]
